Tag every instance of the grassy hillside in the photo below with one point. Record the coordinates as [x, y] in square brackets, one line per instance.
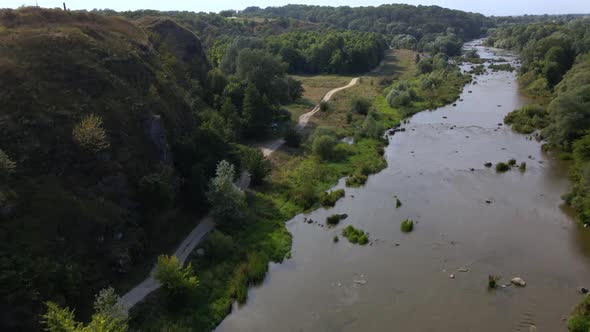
[72, 219]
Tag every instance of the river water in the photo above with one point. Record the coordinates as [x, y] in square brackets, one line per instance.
[402, 282]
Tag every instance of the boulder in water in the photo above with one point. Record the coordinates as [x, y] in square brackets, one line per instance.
[518, 281]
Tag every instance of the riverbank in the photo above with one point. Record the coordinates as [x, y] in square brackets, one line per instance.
[298, 178]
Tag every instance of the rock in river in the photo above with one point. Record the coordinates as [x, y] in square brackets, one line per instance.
[518, 281]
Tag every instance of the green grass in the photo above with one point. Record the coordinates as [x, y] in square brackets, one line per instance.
[407, 226]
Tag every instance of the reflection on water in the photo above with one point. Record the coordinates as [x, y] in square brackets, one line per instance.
[469, 219]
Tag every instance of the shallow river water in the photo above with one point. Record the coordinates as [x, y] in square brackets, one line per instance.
[401, 282]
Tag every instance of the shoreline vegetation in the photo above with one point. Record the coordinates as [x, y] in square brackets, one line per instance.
[301, 176]
[555, 72]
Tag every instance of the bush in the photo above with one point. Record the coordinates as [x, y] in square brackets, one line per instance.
[355, 235]
[156, 190]
[512, 162]
[335, 239]
[292, 137]
[175, 279]
[304, 195]
[218, 246]
[522, 167]
[90, 135]
[330, 198]
[356, 180]
[363, 239]
[398, 203]
[360, 105]
[407, 226]
[333, 219]
[323, 146]
[7, 166]
[502, 167]
[493, 281]
[257, 267]
[324, 106]
[254, 162]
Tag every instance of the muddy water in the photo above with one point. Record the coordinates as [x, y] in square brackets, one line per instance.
[402, 281]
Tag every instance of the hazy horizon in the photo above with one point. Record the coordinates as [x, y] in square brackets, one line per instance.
[497, 8]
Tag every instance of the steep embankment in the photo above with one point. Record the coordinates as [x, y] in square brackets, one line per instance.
[72, 206]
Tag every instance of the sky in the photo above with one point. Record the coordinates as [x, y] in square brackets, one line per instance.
[487, 7]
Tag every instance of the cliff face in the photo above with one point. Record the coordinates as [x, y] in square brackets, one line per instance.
[71, 219]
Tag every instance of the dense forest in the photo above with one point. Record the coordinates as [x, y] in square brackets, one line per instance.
[556, 71]
[426, 28]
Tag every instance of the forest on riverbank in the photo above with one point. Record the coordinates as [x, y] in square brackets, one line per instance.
[556, 72]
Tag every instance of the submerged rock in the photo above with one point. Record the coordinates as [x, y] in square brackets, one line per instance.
[584, 290]
[518, 281]
[488, 165]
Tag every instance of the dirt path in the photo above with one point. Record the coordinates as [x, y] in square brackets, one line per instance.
[139, 292]
[269, 148]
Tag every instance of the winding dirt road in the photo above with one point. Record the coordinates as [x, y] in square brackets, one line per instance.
[269, 148]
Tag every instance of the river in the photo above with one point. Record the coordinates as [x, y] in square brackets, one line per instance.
[402, 282]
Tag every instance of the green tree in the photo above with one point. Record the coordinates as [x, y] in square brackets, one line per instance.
[256, 115]
[175, 279]
[90, 135]
[109, 316]
[254, 162]
[227, 200]
[157, 190]
[360, 105]
[324, 146]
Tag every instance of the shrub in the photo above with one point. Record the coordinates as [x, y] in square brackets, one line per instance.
[218, 246]
[349, 118]
[90, 135]
[335, 239]
[329, 198]
[156, 190]
[355, 235]
[257, 267]
[493, 281]
[174, 278]
[522, 167]
[398, 203]
[360, 105]
[333, 219]
[363, 239]
[7, 166]
[502, 167]
[292, 137]
[254, 162]
[356, 180]
[512, 162]
[323, 146]
[407, 226]
[304, 195]
[324, 106]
